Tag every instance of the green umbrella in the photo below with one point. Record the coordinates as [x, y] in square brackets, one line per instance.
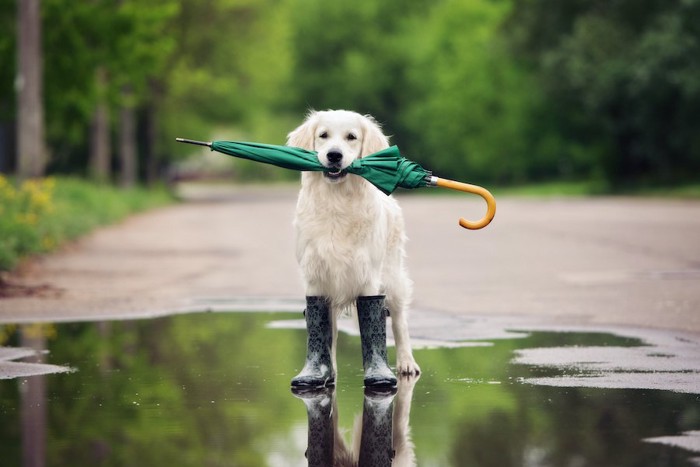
[386, 169]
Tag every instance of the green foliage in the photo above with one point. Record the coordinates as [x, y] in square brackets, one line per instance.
[625, 76]
[126, 40]
[499, 91]
[39, 215]
[472, 95]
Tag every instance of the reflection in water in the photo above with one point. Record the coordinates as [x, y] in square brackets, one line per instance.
[213, 389]
[33, 401]
[319, 409]
[383, 429]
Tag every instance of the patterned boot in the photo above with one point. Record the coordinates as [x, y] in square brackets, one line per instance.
[376, 447]
[319, 410]
[372, 317]
[318, 370]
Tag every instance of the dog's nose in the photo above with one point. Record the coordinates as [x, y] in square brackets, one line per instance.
[334, 157]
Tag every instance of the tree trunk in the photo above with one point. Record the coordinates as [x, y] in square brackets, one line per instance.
[127, 140]
[100, 141]
[31, 149]
[151, 156]
[153, 162]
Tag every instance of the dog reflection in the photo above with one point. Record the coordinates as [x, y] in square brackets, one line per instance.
[381, 435]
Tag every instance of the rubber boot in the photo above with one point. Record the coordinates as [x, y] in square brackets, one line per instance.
[318, 370]
[319, 410]
[372, 317]
[376, 447]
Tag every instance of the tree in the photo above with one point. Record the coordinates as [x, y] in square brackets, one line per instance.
[127, 140]
[472, 103]
[100, 140]
[622, 78]
[30, 109]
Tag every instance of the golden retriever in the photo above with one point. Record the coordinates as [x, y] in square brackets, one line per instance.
[350, 236]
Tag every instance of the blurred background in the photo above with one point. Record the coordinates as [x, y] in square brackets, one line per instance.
[602, 92]
[548, 96]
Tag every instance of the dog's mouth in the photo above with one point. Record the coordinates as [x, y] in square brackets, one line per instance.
[335, 174]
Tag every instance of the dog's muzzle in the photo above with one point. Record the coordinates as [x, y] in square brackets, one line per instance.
[335, 174]
[335, 171]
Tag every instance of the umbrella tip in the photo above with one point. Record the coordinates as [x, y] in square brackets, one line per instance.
[191, 141]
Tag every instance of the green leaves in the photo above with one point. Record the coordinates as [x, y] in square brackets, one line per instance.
[625, 77]
[504, 91]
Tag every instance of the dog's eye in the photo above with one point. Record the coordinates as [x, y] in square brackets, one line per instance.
[323, 135]
[351, 137]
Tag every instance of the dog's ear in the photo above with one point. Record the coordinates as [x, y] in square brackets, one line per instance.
[373, 138]
[303, 136]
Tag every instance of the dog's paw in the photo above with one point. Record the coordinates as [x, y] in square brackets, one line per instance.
[407, 366]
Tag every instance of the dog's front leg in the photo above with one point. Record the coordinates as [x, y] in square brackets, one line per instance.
[405, 363]
[404, 448]
[319, 368]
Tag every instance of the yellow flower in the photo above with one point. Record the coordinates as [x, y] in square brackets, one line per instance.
[40, 199]
[29, 218]
[50, 183]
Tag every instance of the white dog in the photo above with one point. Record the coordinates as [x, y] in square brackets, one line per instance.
[350, 235]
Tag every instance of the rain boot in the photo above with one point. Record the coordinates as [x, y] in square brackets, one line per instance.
[318, 370]
[376, 447]
[319, 410]
[372, 317]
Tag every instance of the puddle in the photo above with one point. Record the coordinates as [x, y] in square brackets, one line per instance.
[213, 389]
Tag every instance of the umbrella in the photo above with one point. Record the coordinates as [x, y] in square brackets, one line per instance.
[386, 169]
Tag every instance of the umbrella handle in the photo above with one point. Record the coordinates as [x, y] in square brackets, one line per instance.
[477, 190]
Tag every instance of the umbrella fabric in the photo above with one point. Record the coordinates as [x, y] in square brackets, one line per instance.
[280, 156]
[386, 169]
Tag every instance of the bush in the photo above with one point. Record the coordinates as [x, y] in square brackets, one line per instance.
[38, 215]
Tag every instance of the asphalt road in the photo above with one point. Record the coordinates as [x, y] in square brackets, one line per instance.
[569, 261]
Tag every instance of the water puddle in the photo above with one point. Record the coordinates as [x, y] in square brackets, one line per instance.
[213, 389]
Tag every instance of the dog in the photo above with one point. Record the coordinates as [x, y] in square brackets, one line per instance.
[350, 237]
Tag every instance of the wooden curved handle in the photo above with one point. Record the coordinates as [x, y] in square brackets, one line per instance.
[477, 190]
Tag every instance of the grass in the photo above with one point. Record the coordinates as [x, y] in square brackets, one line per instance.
[37, 216]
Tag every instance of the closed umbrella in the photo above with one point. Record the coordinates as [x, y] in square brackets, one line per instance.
[386, 169]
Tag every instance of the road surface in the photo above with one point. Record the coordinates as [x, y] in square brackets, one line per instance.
[562, 261]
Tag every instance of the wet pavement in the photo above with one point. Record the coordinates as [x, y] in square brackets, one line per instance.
[213, 389]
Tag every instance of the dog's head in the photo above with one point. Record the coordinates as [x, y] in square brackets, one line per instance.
[339, 137]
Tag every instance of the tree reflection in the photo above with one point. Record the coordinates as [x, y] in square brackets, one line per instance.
[33, 404]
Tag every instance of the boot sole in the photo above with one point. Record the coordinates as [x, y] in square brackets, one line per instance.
[313, 384]
[380, 383]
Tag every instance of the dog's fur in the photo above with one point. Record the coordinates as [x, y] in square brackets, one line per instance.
[350, 235]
